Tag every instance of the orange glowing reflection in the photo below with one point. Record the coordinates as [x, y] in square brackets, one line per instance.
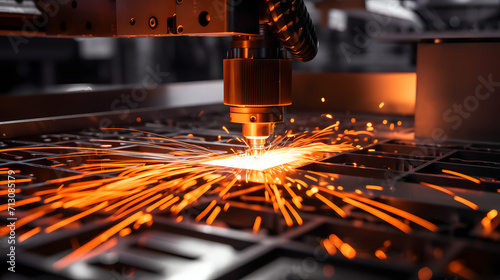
[425, 273]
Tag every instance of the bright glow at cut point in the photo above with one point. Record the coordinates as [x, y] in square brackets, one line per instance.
[269, 160]
[280, 157]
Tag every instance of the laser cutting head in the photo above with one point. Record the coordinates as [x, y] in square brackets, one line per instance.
[257, 134]
[257, 124]
[257, 85]
[257, 72]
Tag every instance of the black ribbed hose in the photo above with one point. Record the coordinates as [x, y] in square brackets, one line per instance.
[291, 24]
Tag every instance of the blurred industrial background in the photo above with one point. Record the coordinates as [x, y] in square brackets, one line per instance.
[355, 36]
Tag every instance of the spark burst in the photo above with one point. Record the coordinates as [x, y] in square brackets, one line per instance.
[187, 175]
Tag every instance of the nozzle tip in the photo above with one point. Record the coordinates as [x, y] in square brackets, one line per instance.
[257, 145]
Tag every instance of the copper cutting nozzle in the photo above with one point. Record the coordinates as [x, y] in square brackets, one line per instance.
[257, 134]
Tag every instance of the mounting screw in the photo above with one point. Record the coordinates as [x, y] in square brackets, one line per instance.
[132, 21]
[153, 22]
[253, 118]
[179, 2]
[180, 29]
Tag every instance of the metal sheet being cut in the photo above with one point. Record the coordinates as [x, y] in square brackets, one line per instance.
[234, 231]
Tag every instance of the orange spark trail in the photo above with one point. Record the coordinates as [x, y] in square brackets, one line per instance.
[438, 188]
[244, 191]
[424, 223]
[372, 187]
[75, 217]
[330, 248]
[20, 203]
[87, 247]
[486, 221]
[144, 219]
[492, 214]
[294, 213]
[206, 211]
[125, 232]
[228, 187]
[35, 214]
[380, 254]
[311, 178]
[302, 183]
[15, 181]
[170, 202]
[6, 192]
[158, 203]
[295, 198]
[116, 216]
[347, 251]
[11, 171]
[458, 268]
[465, 202]
[253, 198]
[344, 248]
[29, 234]
[256, 224]
[281, 206]
[139, 195]
[66, 179]
[455, 197]
[312, 172]
[391, 220]
[214, 214]
[467, 177]
[331, 205]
